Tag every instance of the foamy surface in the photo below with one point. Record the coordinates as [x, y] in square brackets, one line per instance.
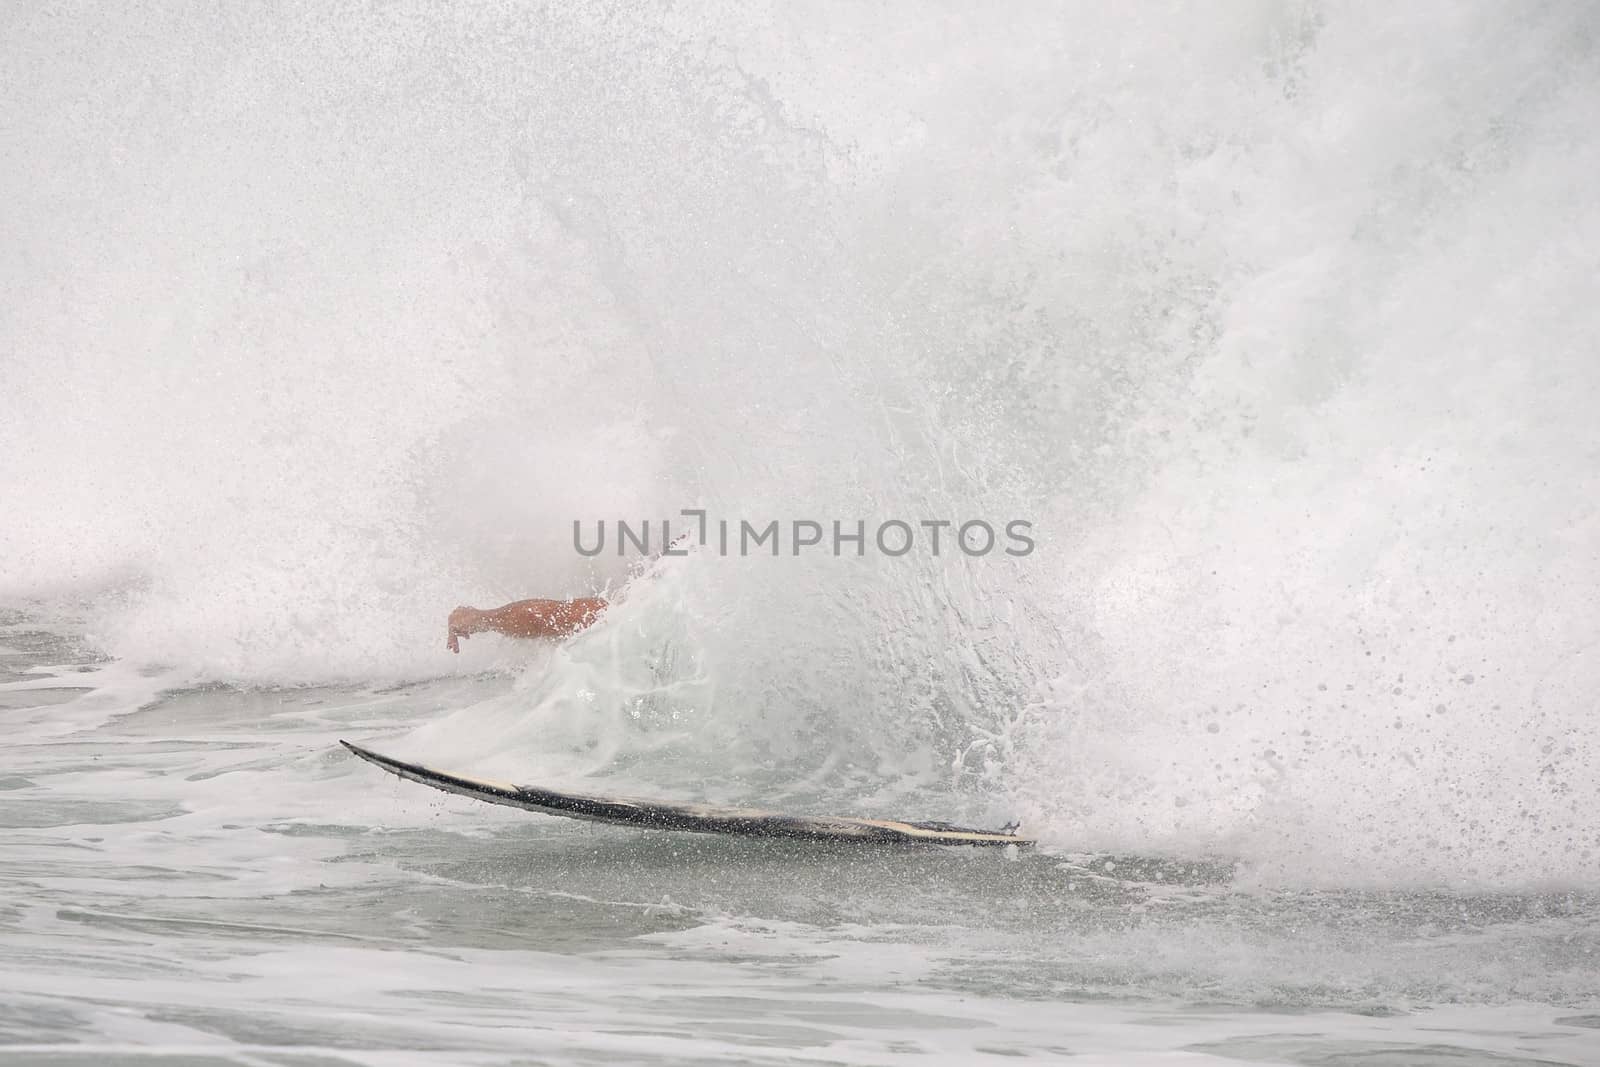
[201, 876]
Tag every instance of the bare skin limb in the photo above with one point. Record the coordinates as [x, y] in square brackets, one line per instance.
[525, 618]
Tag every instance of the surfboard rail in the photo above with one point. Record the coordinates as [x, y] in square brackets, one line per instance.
[692, 818]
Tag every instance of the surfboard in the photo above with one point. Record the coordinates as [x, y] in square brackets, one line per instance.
[693, 818]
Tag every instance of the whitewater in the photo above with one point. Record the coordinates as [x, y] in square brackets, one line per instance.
[1275, 323]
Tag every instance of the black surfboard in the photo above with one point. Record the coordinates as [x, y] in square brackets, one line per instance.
[695, 818]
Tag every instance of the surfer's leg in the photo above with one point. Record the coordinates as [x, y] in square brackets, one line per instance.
[525, 618]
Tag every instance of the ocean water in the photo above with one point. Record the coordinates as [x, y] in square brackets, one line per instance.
[1275, 320]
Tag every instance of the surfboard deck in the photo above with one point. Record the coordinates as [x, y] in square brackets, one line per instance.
[693, 818]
